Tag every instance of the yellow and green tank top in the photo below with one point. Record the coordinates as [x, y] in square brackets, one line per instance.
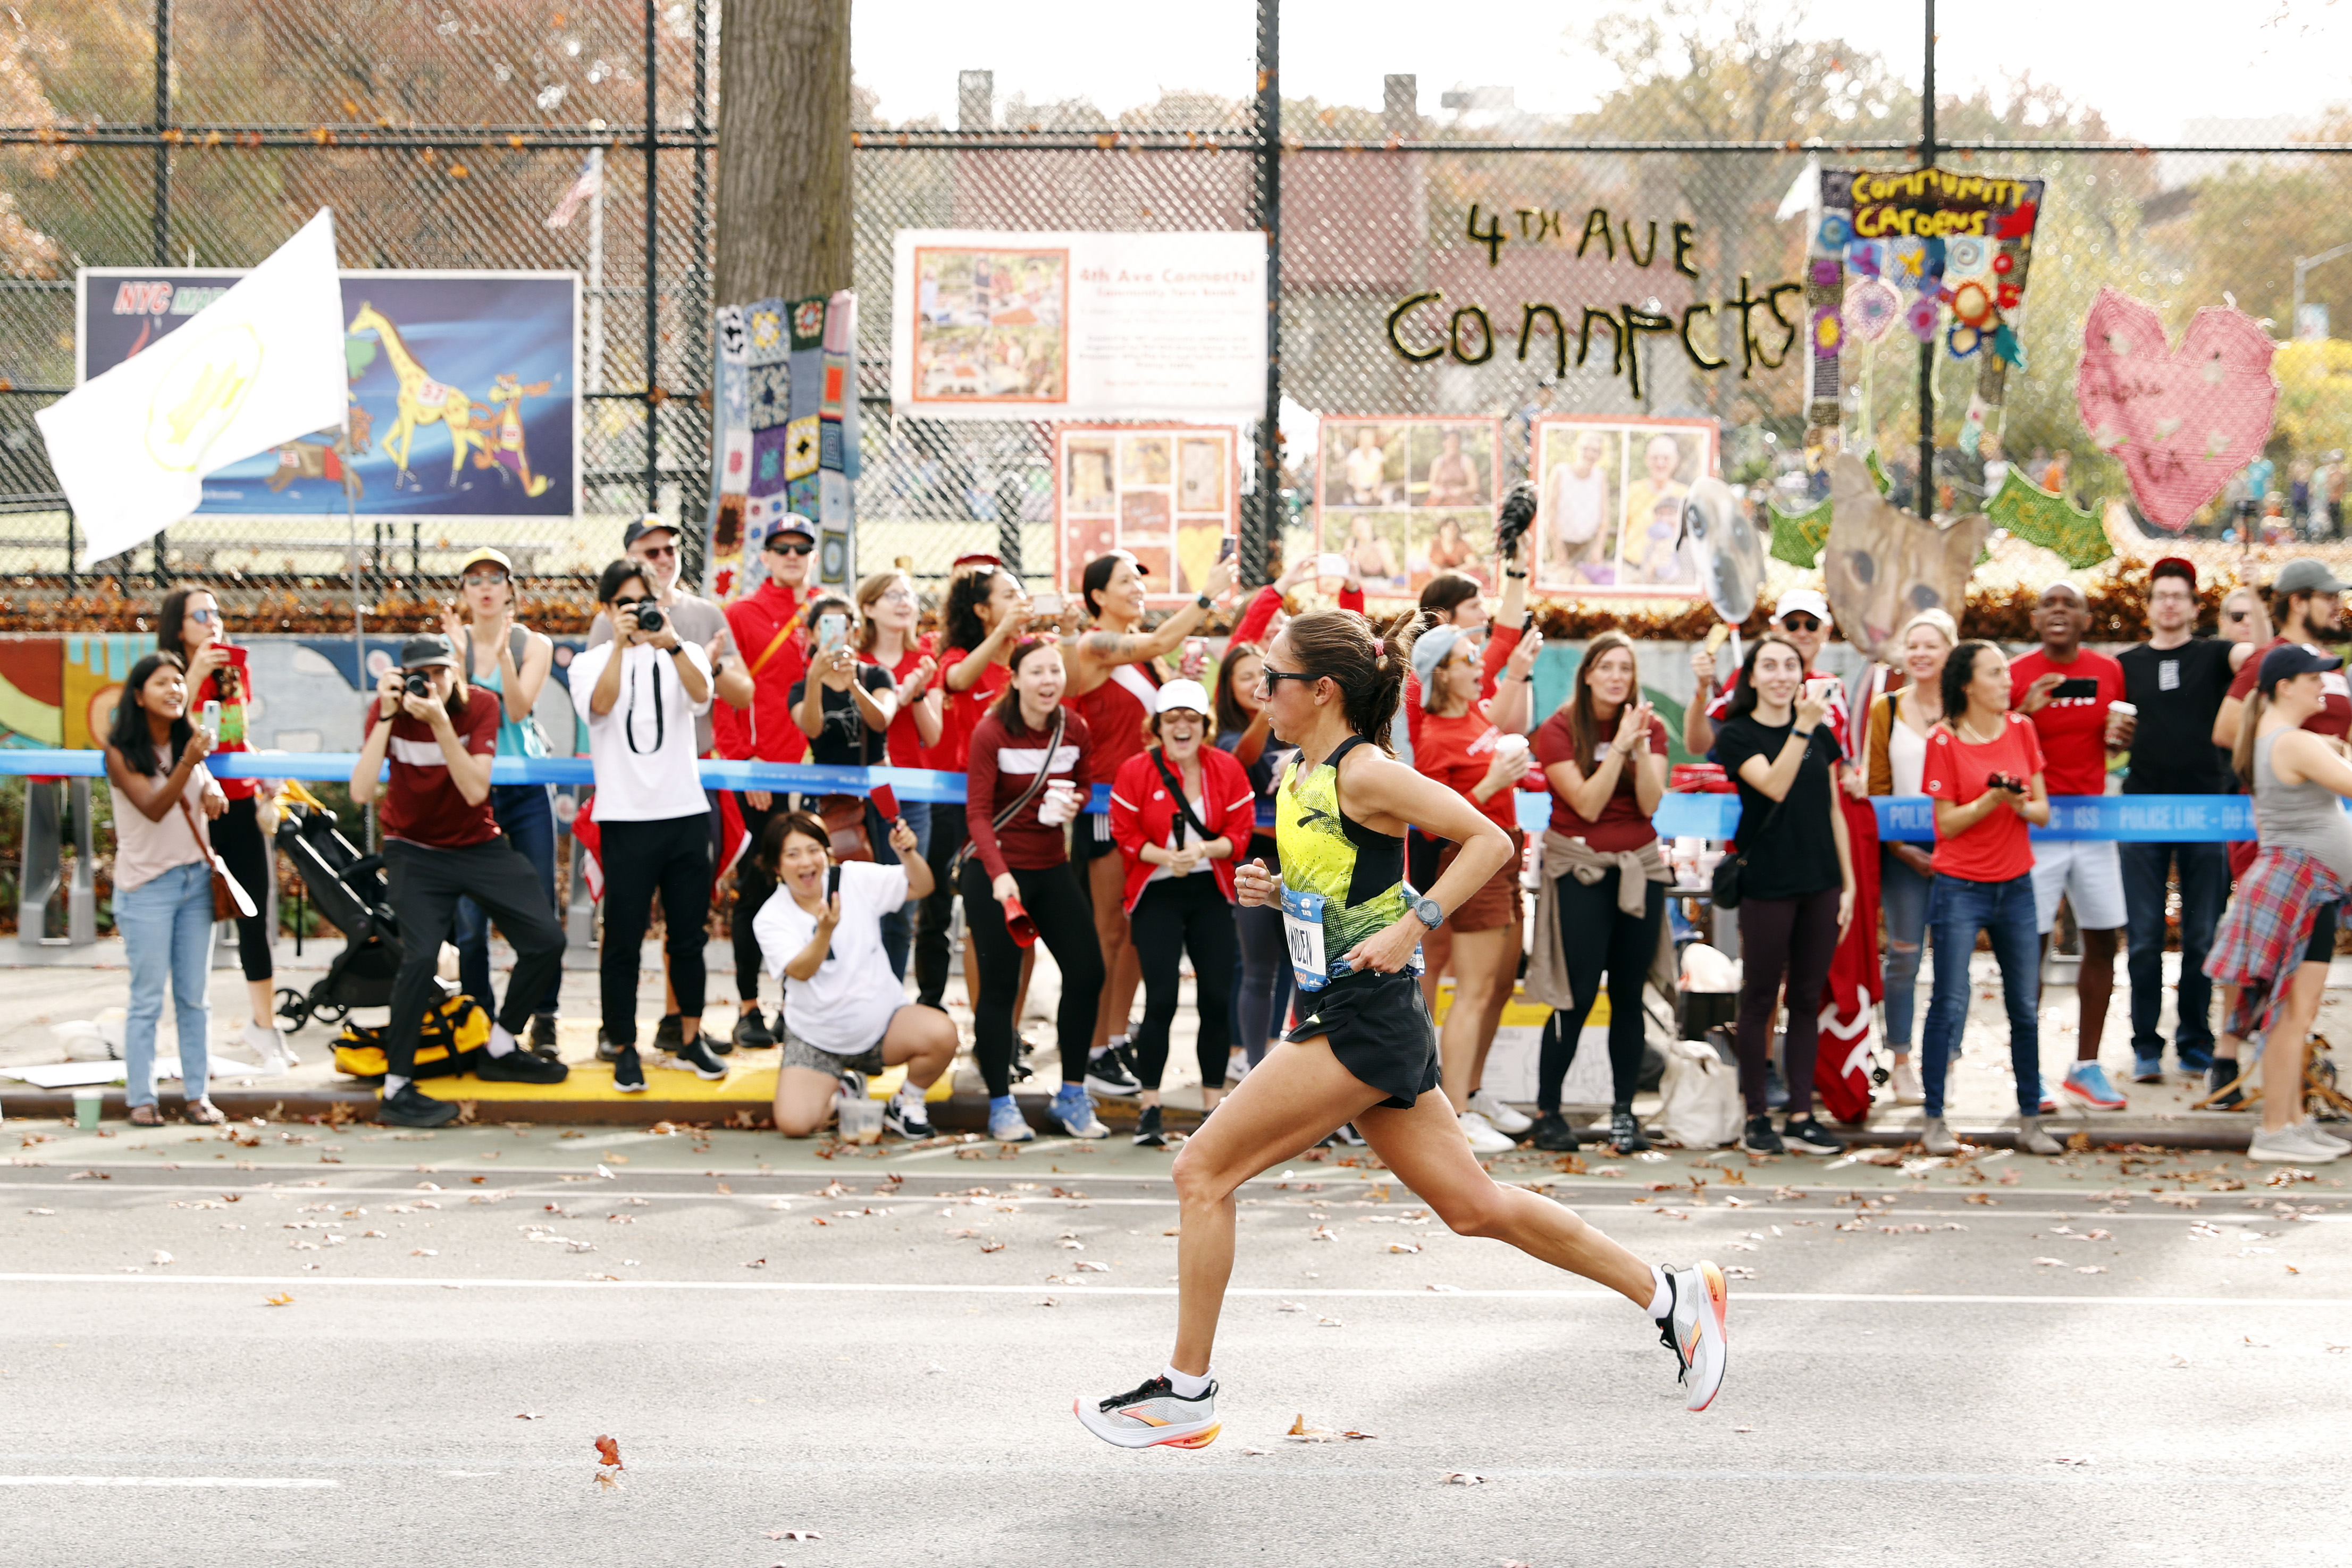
[1340, 881]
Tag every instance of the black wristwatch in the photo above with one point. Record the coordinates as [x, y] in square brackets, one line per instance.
[1520, 575]
[1205, 603]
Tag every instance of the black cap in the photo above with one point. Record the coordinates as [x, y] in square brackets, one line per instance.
[2288, 660]
[792, 523]
[651, 522]
[425, 650]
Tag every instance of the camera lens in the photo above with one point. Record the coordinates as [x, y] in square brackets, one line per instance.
[649, 618]
[418, 684]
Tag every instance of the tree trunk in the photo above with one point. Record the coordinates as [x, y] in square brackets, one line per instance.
[784, 150]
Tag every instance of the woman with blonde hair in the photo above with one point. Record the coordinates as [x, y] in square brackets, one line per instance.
[1602, 895]
[2246, 622]
[1895, 753]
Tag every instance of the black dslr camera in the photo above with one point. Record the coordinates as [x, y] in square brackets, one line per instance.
[649, 618]
[417, 684]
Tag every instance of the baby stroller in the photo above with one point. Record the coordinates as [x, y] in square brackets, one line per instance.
[348, 889]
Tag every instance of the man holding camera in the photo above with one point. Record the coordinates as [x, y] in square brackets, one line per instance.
[441, 844]
[770, 637]
[639, 695]
[2074, 696]
[652, 543]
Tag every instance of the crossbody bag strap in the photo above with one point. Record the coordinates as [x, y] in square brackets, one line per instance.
[1176, 790]
[1036, 786]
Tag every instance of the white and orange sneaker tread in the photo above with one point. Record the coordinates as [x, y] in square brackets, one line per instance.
[1693, 1328]
[1153, 1416]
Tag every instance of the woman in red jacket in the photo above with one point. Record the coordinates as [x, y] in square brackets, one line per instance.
[1179, 810]
[1023, 783]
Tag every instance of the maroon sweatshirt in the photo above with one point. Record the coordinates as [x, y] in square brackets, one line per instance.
[999, 768]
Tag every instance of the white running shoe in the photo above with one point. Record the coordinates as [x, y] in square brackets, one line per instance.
[1153, 1416]
[255, 1054]
[2291, 1146]
[1504, 1118]
[1908, 1090]
[1693, 1328]
[1484, 1138]
[2323, 1137]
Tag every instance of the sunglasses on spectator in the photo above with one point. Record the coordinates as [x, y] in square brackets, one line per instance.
[1800, 622]
[653, 551]
[630, 603]
[2241, 614]
[484, 579]
[777, 543]
[202, 617]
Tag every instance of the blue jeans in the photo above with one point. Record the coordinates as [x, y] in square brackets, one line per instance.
[1956, 910]
[899, 926]
[1902, 894]
[167, 933]
[528, 820]
[2204, 889]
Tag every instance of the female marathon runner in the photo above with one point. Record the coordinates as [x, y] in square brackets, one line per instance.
[1365, 1050]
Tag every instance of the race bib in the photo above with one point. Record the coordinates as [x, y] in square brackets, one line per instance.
[1302, 929]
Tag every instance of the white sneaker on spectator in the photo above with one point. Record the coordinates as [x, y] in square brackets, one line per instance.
[1908, 1090]
[1504, 1119]
[1484, 1138]
[2289, 1145]
[2322, 1136]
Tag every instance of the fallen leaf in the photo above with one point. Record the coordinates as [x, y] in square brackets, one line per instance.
[1743, 1429]
[1087, 1266]
[757, 1263]
[1322, 1233]
[1330, 1323]
[2090, 1269]
[528, 1416]
[2050, 1262]
[794, 1535]
[1465, 1479]
[992, 1247]
[1289, 1307]
[608, 1452]
[1405, 1246]
[1255, 1453]
[161, 1257]
[280, 1299]
[1048, 1302]
[2070, 1461]
[1450, 1289]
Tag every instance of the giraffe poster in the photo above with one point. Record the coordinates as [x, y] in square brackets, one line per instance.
[465, 392]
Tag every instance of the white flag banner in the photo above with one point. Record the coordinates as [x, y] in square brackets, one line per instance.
[260, 366]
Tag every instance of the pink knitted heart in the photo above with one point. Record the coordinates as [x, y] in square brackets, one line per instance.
[2180, 420]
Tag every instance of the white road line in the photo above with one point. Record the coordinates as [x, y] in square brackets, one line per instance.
[1080, 1292]
[263, 1482]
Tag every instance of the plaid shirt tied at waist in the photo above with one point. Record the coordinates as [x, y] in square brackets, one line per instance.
[2262, 938]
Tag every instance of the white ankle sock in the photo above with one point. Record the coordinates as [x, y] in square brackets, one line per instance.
[501, 1042]
[392, 1084]
[909, 1094]
[1662, 1296]
[1187, 1385]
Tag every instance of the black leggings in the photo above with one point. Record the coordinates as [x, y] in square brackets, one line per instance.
[1263, 1000]
[1173, 916]
[753, 886]
[236, 834]
[934, 956]
[1798, 937]
[1596, 936]
[1065, 924]
[669, 857]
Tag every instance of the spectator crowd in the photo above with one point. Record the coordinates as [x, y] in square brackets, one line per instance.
[1039, 704]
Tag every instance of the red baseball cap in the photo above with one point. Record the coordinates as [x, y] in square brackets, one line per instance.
[2187, 568]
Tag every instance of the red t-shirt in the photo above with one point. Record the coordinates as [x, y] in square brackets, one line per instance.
[961, 711]
[775, 651]
[422, 804]
[1621, 825]
[906, 746]
[2073, 730]
[231, 685]
[2335, 718]
[1457, 752]
[1996, 849]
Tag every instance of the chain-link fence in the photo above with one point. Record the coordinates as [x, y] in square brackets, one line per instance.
[443, 134]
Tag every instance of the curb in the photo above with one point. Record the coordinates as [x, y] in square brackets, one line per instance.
[957, 1113]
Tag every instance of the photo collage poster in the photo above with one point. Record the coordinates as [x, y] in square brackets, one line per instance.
[1609, 501]
[1168, 495]
[992, 326]
[1405, 498]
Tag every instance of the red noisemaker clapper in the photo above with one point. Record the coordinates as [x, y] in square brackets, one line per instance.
[885, 801]
[1017, 921]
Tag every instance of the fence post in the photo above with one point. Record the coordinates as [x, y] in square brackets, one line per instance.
[653, 277]
[1259, 534]
[1922, 491]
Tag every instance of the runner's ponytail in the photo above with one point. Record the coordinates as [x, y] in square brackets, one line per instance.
[1368, 666]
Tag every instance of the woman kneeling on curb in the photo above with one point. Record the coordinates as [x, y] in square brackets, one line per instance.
[846, 1011]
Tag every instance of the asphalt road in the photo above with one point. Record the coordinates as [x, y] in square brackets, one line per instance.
[884, 1351]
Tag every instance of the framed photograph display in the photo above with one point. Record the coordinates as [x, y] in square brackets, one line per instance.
[1609, 513]
[1408, 496]
[1167, 493]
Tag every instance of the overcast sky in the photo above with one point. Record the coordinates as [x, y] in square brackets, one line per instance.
[2154, 68]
